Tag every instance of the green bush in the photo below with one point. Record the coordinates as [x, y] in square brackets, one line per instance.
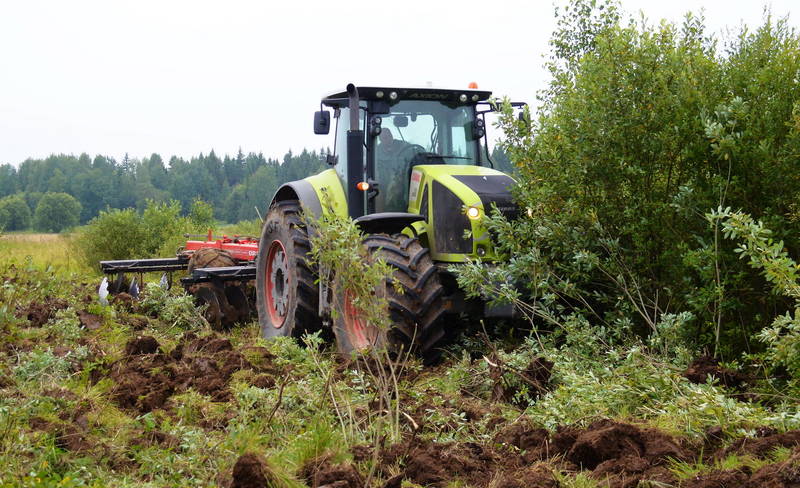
[14, 213]
[124, 234]
[56, 212]
[642, 130]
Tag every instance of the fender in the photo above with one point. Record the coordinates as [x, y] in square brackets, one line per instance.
[320, 194]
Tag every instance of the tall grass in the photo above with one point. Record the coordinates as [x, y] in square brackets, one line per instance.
[42, 251]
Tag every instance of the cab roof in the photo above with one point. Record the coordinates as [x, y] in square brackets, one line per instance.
[373, 93]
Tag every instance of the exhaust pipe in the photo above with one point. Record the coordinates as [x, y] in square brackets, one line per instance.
[352, 93]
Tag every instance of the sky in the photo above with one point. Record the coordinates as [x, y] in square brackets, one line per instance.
[181, 77]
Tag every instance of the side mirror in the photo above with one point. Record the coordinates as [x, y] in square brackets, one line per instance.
[322, 122]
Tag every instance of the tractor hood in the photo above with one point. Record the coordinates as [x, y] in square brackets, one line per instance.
[444, 195]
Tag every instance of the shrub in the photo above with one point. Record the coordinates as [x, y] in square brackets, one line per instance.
[14, 213]
[642, 130]
[56, 212]
[124, 234]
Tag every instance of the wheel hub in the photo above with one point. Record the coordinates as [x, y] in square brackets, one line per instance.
[362, 334]
[277, 292]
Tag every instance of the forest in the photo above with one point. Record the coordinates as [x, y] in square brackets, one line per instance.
[77, 188]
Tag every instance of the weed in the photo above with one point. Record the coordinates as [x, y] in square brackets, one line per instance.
[41, 366]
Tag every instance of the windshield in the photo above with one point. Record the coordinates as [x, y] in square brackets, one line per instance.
[430, 127]
[419, 132]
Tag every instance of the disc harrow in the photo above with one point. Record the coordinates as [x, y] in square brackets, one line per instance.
[220, 270]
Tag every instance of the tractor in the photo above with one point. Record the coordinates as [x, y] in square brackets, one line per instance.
[409, 168]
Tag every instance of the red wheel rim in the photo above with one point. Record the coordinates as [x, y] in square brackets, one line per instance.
[276, 293]
[360, 333]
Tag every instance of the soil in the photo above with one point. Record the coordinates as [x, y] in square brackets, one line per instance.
[779, 475]
[142, 345]
[146, 377]
[39, 313]
[619, 454]
[615, 445]
[321, 472]
[124, 301]
[436, 464]
[761, 446]
[251, 471]
[705, 366]
[538, 374]
[71, 437]
[156, 438]
[535, 377]
[90, 320]
[522, 436]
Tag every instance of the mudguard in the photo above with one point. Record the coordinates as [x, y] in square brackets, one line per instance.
[320, 194]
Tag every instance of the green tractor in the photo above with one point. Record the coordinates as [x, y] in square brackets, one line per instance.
[408, 167]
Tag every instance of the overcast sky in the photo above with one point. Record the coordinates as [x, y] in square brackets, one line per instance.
[188, 76]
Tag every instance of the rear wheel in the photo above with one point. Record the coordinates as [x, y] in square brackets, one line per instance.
[286, 296]
[415, 314]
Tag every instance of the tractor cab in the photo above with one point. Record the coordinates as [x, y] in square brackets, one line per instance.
[400, 128]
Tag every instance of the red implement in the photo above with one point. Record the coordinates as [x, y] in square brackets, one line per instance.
[240, 248]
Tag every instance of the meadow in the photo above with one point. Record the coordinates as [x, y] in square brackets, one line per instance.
[144, 393]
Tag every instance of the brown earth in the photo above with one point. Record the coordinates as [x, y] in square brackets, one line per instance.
[706, 366]
[251, 471]
[321, 472]
[90, 320]
[71, 437]
[619, 454]
[39, 313]
[761, 446]
[124, 301]
[535, 377]
[785, 474]
[156, 438]
[146, 377]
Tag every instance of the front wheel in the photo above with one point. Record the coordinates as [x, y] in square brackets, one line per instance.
[286, 296]
[415, 314]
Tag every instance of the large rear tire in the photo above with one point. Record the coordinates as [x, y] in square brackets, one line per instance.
[416, 314]
[287, 298]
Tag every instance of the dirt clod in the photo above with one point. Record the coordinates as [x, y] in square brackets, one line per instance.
[156, 438]
[619, 445]
[761, 446]
[146, 378]
[251, 471]
[321, 472]
[142, 345]
[701, 368]
[39, 313]
[71, 437]
[90, 320]
[263, 381]
[522, 436]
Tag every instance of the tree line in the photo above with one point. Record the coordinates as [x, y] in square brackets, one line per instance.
[62, 190]
[71, 190]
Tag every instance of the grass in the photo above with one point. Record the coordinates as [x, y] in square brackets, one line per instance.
[42, 251]
[318, 406]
